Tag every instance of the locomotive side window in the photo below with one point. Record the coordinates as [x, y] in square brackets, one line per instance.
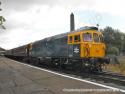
[77, 38]
[101, 38]
[96, 37]
[70, 39]
[87, 37]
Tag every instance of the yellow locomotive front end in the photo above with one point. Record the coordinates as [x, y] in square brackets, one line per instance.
[90, 41]
[87, 45]
[92, 44]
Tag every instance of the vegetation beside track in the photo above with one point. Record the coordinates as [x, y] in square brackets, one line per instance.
[117, 68]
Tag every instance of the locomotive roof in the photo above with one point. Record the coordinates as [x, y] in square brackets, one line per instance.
[65, 34]
[87, 28]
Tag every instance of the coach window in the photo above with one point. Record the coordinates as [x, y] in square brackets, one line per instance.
[70, 39]
[77, 38]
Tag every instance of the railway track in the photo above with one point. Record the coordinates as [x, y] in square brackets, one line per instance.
[111, 77]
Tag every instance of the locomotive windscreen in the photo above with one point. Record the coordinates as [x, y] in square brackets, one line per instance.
[87, 37]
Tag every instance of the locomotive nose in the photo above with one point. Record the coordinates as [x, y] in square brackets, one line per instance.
[87, 50]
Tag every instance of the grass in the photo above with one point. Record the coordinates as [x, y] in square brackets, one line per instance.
[117, 68]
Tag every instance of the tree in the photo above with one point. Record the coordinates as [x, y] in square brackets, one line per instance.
[113, 51]
[114, 40]
[2, 20]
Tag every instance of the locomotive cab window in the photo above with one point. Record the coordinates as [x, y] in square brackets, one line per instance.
[96, 37]
[101, 38]
[77, 38]
[70, 38]
[87, 37]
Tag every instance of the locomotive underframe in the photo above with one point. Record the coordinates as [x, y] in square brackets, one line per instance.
[78, 64]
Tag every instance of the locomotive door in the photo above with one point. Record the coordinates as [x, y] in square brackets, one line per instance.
[98, 48]
[70, 50]
[70, 46]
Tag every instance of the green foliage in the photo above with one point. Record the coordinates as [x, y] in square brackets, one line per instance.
[114, 40]
[113, 50]
[2, 20]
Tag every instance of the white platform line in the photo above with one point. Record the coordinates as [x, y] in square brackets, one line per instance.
[78, 79]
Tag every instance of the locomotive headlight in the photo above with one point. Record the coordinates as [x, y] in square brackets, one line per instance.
[86, 64]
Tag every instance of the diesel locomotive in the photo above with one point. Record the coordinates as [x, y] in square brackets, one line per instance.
[82, 49]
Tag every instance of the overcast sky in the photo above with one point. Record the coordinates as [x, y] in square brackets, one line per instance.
[31, 20]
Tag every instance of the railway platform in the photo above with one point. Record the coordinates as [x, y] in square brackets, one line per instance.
[19, 78]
